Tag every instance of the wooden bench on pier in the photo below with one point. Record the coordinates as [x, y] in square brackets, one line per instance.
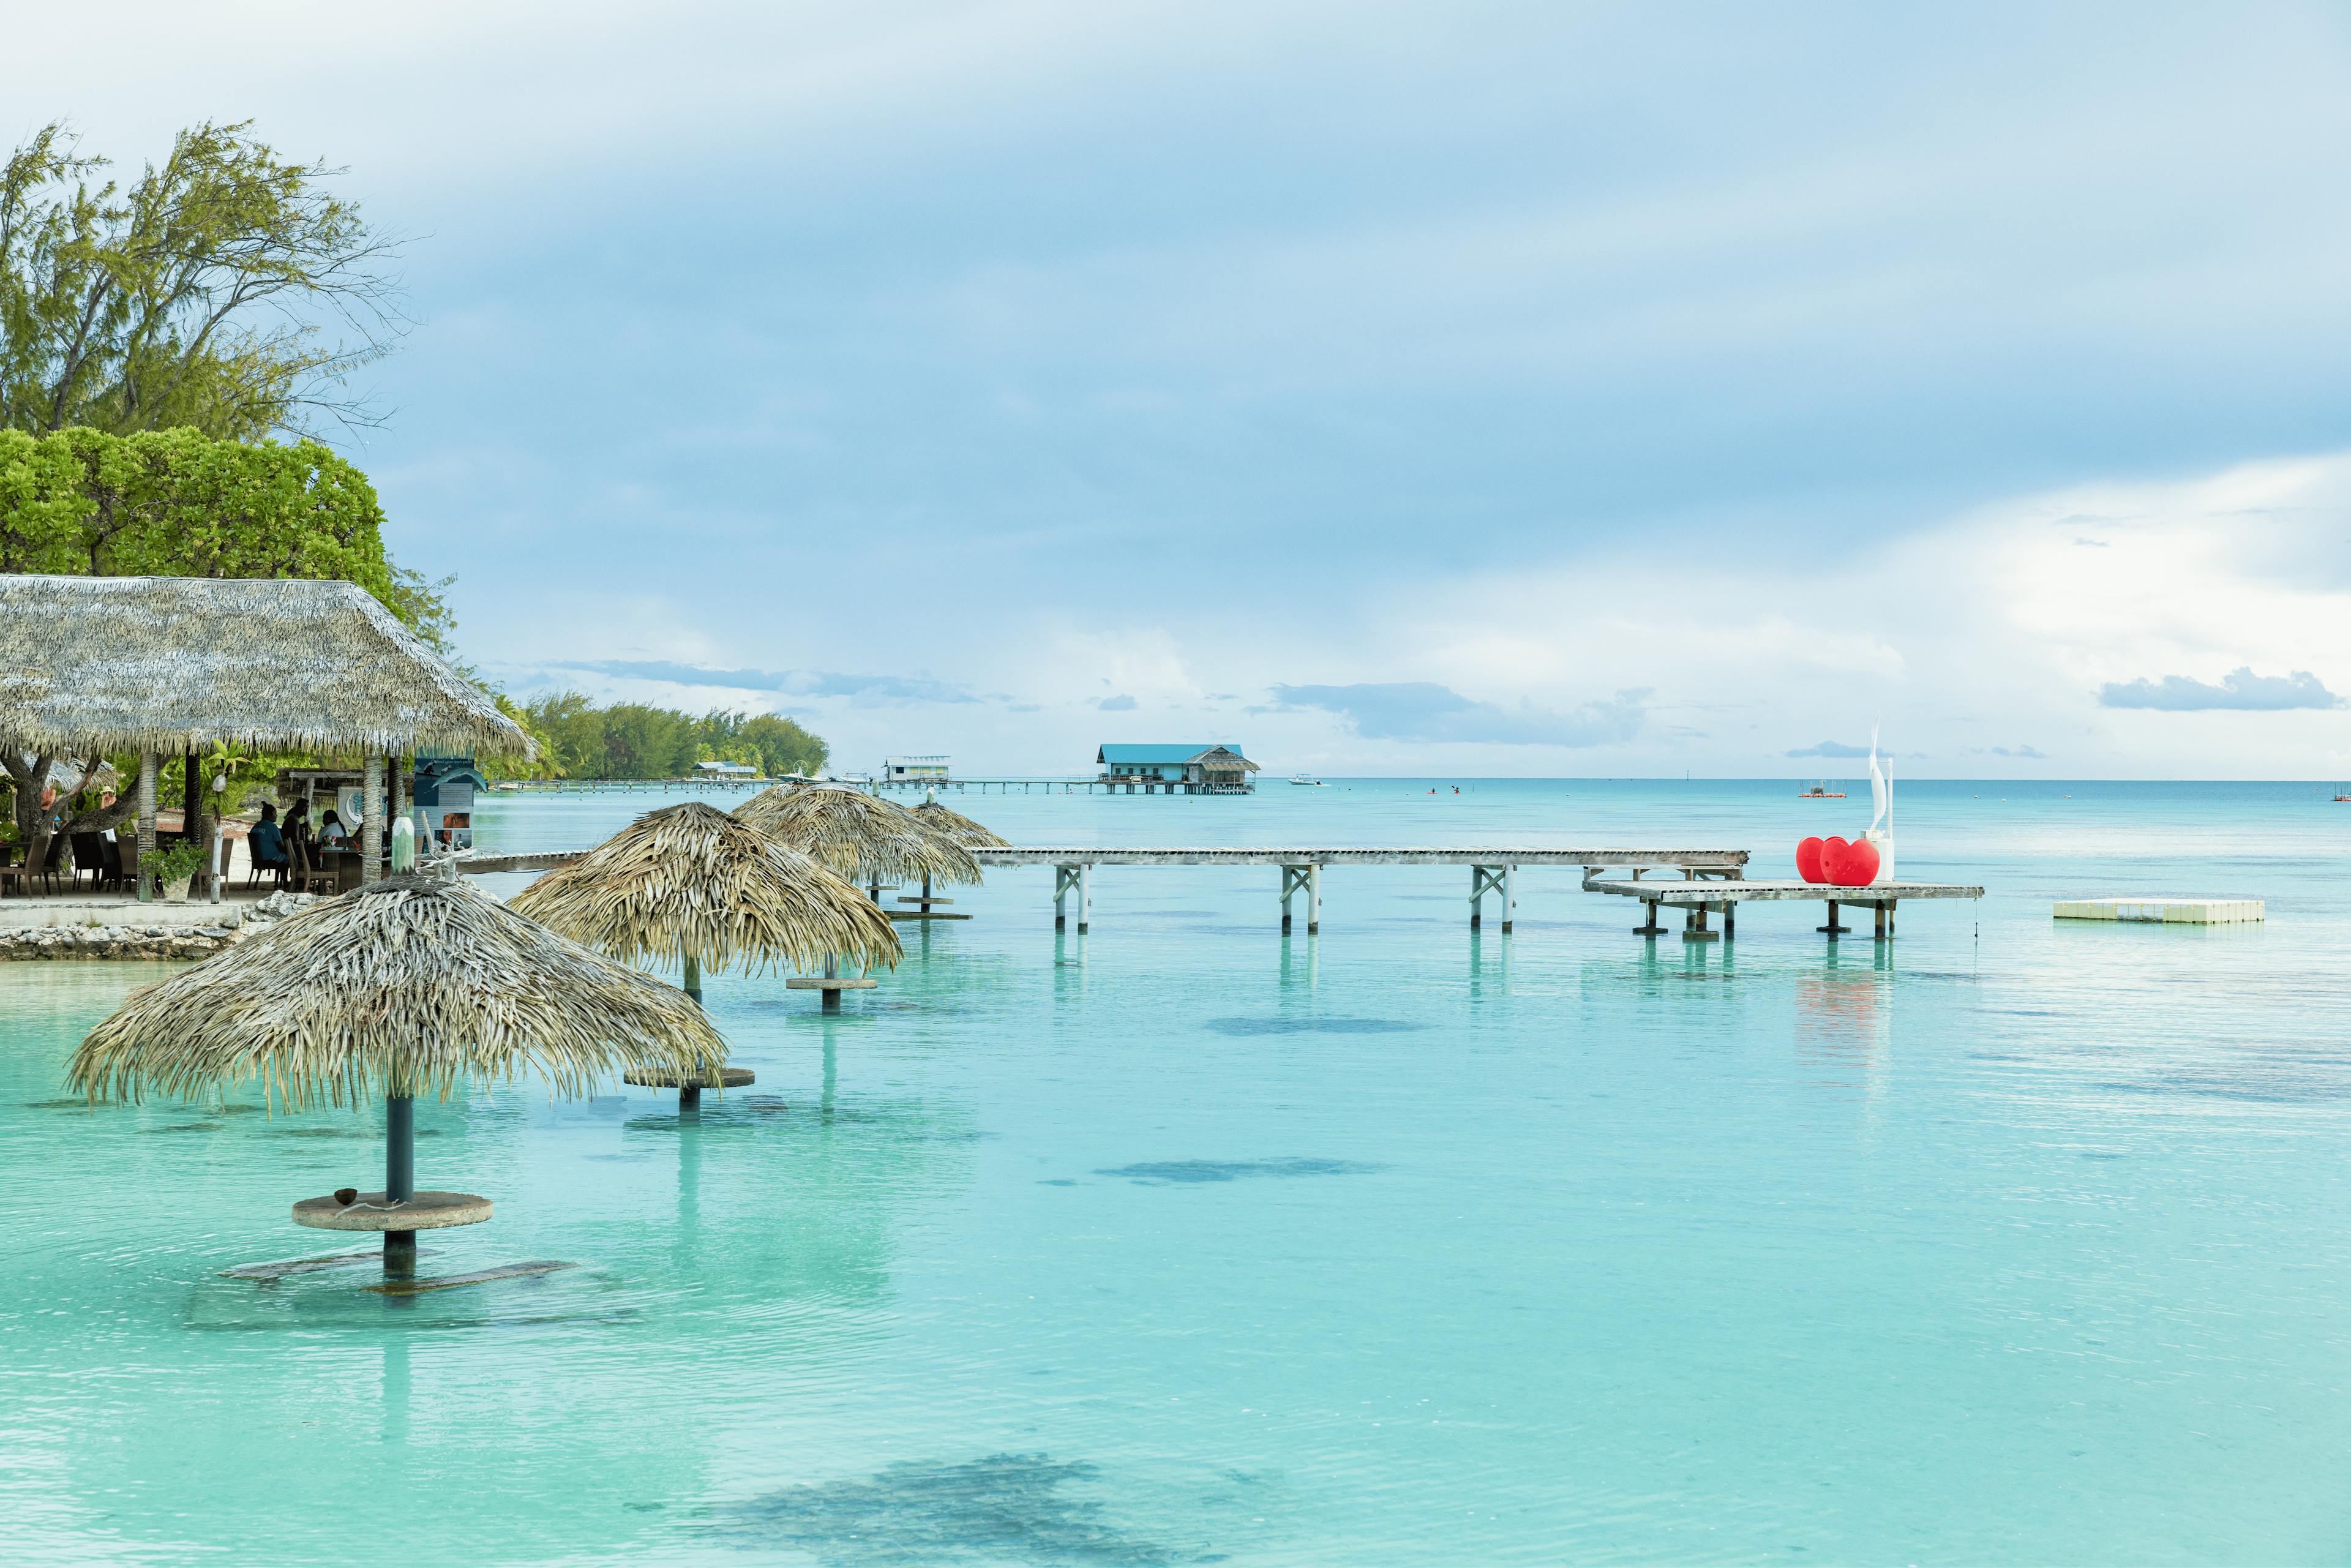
[1696, 899]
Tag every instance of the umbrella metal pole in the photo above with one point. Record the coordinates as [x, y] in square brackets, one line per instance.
[399, 1182]
[689, 1095]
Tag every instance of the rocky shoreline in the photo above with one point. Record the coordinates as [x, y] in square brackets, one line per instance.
[133, 940]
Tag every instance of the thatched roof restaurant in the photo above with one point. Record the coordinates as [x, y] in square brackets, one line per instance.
[175, 664]
[164, 664]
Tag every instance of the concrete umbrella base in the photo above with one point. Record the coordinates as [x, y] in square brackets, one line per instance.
[370, 1211]
[656, 1077]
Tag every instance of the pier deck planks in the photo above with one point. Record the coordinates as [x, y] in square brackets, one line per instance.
[1682, 893]
[1725, 861]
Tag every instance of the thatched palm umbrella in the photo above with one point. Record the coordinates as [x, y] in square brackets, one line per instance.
[956, 826]
[692, 885]
[859, 836]
[400, 989]
[971, 835]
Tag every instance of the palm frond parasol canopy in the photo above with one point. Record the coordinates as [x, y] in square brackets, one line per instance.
[400, 989]
[971, 835]
[695, 884]
[862, 837]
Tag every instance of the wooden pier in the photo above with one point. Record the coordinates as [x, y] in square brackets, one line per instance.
[1492, 869]
[1709, 884]
[1037, 786]
[1698, 899]
[619, 786]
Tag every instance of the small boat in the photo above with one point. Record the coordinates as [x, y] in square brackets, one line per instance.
[1302, 778]
[1821, 791]
[2343, 792]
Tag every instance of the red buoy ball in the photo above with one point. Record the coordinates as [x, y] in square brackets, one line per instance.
[1808, 860]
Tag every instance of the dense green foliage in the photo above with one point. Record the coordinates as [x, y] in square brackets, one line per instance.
[172, 502]
[192, 297]
[631, 740]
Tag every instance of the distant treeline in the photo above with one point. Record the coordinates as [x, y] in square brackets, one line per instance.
[632, 740]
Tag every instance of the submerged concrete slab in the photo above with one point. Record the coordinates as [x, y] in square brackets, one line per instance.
[2164, 911]
[64, 913]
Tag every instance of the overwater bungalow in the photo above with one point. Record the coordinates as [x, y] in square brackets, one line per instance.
[1188, 769]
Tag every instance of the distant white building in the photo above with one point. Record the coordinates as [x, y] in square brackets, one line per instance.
[914, 770]
[726, 771]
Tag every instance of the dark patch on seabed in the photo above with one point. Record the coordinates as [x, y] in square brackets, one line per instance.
[370, 1133]
[1313, 1026]
[2316, 1080]
[1005, 1509]
[1162, 1172]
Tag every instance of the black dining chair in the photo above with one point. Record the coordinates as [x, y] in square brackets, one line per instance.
[89, 855]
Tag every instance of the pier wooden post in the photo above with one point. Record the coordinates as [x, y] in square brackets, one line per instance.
[1697, 930]
[1069, 879]
[1495, 880]
[1307, 880]
[1833, 928]
[1649, 907]
[1729, 920]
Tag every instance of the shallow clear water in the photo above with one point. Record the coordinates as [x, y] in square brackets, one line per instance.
[2006, 1242]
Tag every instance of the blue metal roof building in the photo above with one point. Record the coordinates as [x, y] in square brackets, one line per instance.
[1186, 769]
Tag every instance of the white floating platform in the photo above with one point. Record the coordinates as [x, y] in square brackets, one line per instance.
[2164, 911]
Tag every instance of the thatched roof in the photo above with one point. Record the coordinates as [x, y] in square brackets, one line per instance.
[403, 987]
[863, 837]
[959, 827]
[121, 663]
[692, 881]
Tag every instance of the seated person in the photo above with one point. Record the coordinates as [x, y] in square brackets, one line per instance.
[331, 833]
[266, 844]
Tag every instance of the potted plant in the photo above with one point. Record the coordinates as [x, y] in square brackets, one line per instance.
[176, 867]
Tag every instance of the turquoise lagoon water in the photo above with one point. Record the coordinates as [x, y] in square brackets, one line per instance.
[2006, 1242]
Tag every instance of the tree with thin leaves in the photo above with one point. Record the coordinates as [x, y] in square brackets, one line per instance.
[226, 290]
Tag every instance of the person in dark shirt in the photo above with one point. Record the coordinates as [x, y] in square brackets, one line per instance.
[266, 844]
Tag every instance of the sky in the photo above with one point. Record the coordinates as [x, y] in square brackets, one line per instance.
[1470, 390]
